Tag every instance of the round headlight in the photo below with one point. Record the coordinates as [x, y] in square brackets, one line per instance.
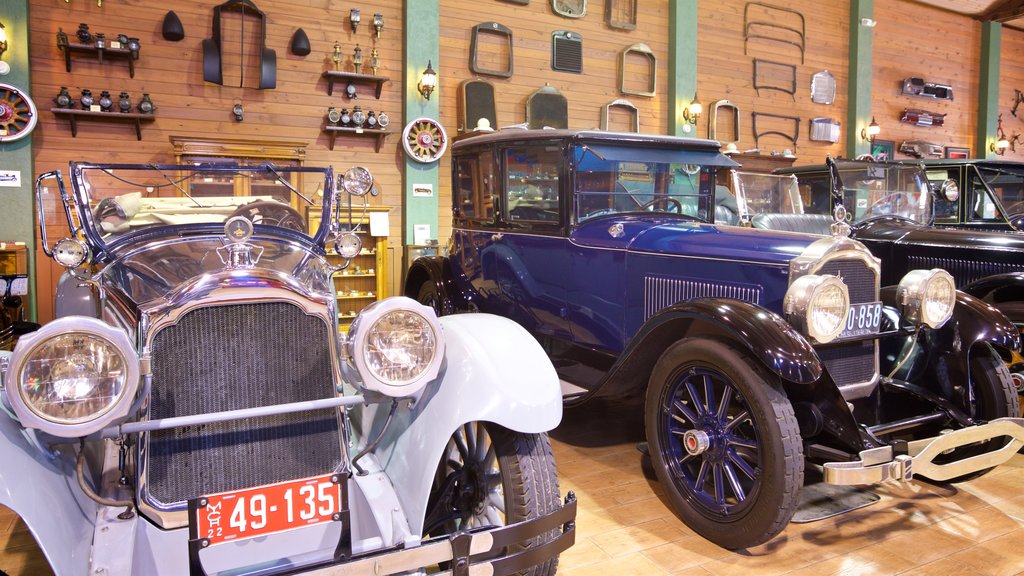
[71, 252]
[397, 346]
[73, 377]
[927, 297]
[348, 245]
[357, 181]
[819, 306]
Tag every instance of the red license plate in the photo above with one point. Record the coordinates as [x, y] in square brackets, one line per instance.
[266, 509]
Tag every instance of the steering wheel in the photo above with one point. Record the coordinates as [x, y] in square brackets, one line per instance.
[272, 214]
[650, 204]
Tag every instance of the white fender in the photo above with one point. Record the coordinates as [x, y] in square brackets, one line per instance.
[494, 371]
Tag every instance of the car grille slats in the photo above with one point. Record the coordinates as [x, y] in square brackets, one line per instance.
[857, 276]
[965, 271]
[661, 292]
[232, 357]
[853, 362]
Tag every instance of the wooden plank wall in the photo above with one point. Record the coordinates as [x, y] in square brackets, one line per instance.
[916, 40]
[1011, 77]
[172, 73]
[725, 72]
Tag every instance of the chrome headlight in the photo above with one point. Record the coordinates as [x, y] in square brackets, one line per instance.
[357, 181]
[926, 297]
[73, 377]
[396, 345]
[818, 305]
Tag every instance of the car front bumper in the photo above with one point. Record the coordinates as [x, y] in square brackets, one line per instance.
[889, 463]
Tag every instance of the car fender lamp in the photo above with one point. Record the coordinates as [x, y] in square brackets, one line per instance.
[1002, 142]
[353, 19]
[693, 111]
[428, 81]
[868, 134]
[4, 66]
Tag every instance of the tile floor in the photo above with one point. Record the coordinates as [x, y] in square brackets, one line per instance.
[625, 527]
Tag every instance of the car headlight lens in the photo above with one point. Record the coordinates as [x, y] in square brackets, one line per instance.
[74, 377]
[348, 245]
[397, 346]
[357, 181]
[927, 297]
[818, 305]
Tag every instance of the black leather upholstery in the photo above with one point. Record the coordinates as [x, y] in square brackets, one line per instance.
[723, 215]
[808, 223]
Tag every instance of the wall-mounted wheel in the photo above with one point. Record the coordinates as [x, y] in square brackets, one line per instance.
[424, 140]
[18, 114]
[724, 443]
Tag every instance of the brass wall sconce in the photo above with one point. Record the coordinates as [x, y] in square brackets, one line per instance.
[357, 59]
[374, 61]
[1002, 143]
[428, 81]
[868, 134]
[336, 55]
[353, 19]
[378, 23]
[693, 111]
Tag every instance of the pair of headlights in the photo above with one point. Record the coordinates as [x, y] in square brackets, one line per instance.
[820, 304]
[75, 376]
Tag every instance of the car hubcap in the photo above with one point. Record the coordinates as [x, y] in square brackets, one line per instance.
[710, 442]
[469, 492]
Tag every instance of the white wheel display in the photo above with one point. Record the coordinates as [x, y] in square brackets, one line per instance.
[424, 140]
[18, 115]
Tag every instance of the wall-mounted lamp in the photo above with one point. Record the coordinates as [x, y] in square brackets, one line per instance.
[692, 112]
[4, 66]
[871, 131]
[336, 55]
[1001, 143]
[354, 18]
[357, 59]
[378, 23]
[428, 81]
[374, 61]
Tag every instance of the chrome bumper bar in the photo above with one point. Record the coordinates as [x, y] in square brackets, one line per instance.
[880, 464]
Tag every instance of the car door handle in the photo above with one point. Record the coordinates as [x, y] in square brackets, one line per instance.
[497, 237]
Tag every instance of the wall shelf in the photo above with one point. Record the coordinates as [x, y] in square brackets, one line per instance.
[339, 76]
[111, 53]
[379, 134]
[73, 116]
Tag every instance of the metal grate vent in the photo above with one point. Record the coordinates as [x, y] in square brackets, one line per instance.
[566, 51]
[851, 363]
[661, 292]
[964, 271]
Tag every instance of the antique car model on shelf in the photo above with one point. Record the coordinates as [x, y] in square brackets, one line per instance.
[893, 209]
[989, 194]
[754, 350]
[194, 410]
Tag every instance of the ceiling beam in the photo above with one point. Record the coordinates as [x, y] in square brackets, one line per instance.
[1002, 11]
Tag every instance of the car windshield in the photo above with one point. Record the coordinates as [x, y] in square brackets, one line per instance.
[762, 194]
[870, 189]
[1006, 184]
[615, 179]
[119, 201]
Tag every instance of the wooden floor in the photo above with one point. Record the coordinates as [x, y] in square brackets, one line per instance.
[624, 527]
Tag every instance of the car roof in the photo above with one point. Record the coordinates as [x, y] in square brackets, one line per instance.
[476, 138]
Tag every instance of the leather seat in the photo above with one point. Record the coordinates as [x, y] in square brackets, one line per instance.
[723, 215]
[808, 223]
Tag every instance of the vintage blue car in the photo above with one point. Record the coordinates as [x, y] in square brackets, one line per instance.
[194, 409]
[756, 351]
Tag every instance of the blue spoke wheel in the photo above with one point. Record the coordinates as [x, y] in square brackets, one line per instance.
[724, 442]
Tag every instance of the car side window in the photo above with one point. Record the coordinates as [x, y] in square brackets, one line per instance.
[473, 188]
[982, 206]
[532, 184]
[945, 210]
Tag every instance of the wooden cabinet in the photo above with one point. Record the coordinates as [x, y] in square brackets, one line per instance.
[366, 278]
[248, 152]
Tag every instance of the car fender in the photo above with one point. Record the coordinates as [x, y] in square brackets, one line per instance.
[436, 270]
[75, 298]
[998, 288]
[40, 487]
[761, 332]
[494, 371]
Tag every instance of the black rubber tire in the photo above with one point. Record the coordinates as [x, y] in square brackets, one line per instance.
[529, 481]
[995, 398]
[772, 499]
[1014, 311]
[428, 296]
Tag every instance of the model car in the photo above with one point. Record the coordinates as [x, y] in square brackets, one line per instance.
[989, 194]
[195, 410]
[755, 351]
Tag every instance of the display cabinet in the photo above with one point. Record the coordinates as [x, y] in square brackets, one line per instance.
[241, 151]
[365, 280]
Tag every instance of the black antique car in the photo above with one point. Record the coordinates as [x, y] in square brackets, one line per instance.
[990, 194]
[755, 351]
[894, 209]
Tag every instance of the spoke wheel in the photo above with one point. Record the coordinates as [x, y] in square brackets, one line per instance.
[424, 140]
[18, 115]
[491, 476]
[724, 443]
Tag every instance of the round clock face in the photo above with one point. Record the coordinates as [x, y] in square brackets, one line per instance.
[238, 229]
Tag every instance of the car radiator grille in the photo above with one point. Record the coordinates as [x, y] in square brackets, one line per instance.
[661, 292]
[965, 271]
[854, 362]
[228, 358]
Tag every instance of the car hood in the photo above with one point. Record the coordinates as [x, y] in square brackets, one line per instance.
[903, 232]
[153, 271]
[696, 239]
